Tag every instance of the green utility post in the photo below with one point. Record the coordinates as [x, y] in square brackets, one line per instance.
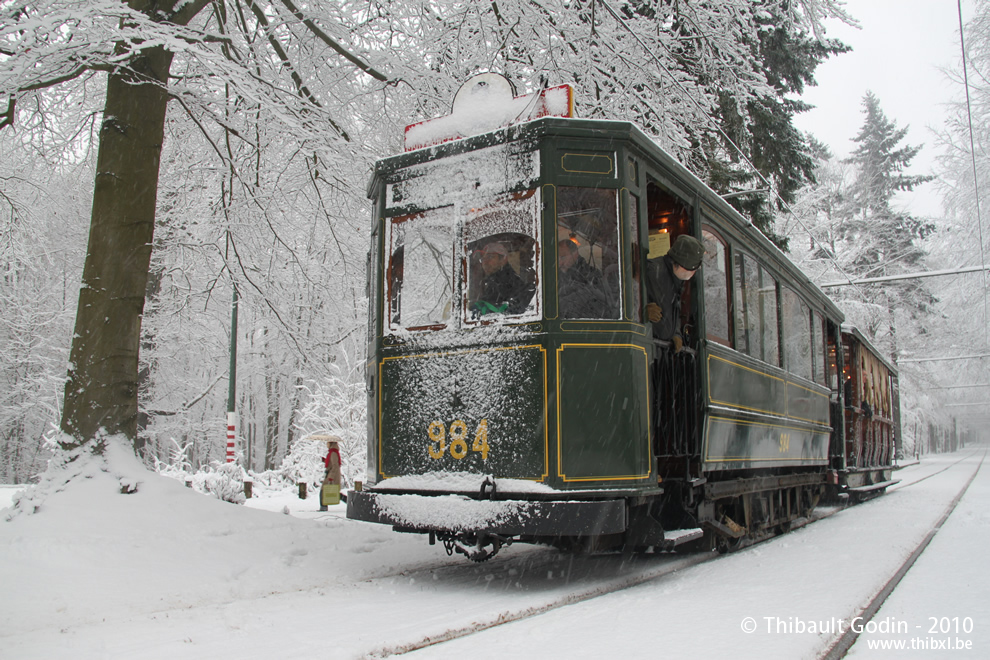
[232, 385]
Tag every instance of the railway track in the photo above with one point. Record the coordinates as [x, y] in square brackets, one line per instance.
[929, 476]
[845, 642]
[586, 573]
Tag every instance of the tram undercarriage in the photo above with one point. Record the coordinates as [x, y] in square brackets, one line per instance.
[719, 515]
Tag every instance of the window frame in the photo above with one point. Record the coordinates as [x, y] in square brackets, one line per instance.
[799, 360]
[728, 340]
[531, 199]
[392, 295]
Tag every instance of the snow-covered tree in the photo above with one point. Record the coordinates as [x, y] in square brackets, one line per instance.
[764, 129]
[887, 240]
[338, 406]
[235, 140]
[848, 225]
[964, 238]
[816, 225]
[151, 53]
[42, 233]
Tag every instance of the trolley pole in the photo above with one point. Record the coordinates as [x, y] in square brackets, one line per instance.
[232, 383]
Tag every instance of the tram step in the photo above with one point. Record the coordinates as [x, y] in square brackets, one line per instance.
[872, 487]
[675, 537]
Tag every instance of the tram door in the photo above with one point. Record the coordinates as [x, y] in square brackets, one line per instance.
[674, 377]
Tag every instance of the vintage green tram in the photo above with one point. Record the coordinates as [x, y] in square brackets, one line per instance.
[537, 419]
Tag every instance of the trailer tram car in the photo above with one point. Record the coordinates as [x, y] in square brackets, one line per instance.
[863, 457]
[529, 419]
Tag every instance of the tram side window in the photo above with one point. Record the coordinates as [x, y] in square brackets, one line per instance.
[588, 265]
[501, 259]
[797, 335]
[832, 356]
[770, 322]
[632, 226]
[420, 275]
[848, 371]
[715, 272]
[818, 349]
[756, 311]
[747, 318]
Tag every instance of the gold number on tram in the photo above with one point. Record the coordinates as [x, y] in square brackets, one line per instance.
[457, 435]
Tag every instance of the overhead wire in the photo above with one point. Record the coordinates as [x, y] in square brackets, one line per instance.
[976, 180]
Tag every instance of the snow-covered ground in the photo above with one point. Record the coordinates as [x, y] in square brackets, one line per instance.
[167, 572]
[946, 594]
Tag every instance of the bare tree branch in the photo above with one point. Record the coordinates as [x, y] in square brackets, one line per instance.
[350, 57]
[187, 11]
[268, 303]
[296, 79]
[7, 118]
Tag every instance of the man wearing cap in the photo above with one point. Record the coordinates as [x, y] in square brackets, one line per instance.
[502, 290]
[665, 278]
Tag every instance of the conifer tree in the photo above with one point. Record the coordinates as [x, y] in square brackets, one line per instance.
[881, 239]
[881, 164]
[763, 128]
[887, 238]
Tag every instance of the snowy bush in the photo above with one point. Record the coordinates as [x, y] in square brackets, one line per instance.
[177, 466]
[223, 480]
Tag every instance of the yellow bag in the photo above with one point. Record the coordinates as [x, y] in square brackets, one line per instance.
[329, 494]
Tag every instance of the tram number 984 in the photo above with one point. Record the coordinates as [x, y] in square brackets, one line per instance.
[456, 440]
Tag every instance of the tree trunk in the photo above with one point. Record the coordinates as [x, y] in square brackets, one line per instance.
[272, 421]
[102, 386]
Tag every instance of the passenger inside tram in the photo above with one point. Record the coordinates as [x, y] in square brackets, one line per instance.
[501, 289]
[501, 275]
[581, 287]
